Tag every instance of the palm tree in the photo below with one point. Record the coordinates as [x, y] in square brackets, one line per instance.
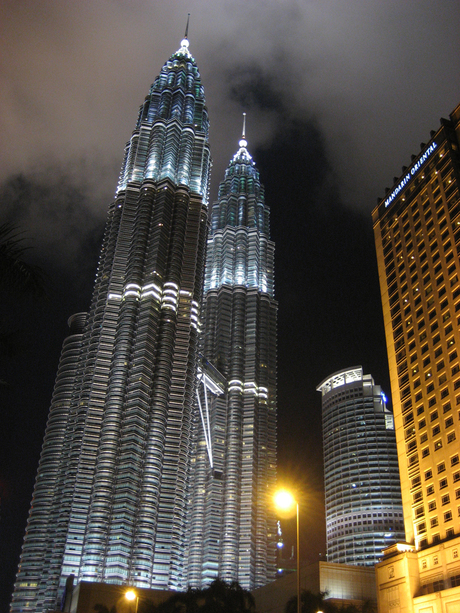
[17, 277]
[15, 273]
[311, 603]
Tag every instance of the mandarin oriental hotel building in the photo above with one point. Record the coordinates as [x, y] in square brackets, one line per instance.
[417, 237]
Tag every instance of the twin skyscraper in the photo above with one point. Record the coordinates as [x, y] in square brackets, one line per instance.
[160, 447]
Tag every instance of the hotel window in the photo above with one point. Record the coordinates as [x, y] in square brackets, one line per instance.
[454, 460]
[433, 416]
[428, 474]
[436, 430]
[445, 500]
[432, 505]
[438, 445]
[448, 516]
[449, 422]
[433, 522]
[430, 490]
[457, 494]
[443, 484]
[451, 437]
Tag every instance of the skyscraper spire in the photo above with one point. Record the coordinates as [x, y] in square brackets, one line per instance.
[111, 497]
[186, 27]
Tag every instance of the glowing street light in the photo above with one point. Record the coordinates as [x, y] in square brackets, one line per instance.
[285, 501]
[131, 595]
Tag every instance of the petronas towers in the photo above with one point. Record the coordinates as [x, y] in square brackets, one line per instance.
[160, 448]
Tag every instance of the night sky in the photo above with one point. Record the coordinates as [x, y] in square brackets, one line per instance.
[338, 96]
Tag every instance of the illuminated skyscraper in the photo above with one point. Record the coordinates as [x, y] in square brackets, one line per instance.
[111, 497]
[233, 526]
[363, 495]
[417, 237]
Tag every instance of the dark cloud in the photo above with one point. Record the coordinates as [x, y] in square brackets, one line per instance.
[61, 219]
[253, 90]
[376, 76]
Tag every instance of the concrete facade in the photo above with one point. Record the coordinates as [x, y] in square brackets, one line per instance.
[426, 581]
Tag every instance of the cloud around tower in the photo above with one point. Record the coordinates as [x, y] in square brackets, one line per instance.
[373, 76]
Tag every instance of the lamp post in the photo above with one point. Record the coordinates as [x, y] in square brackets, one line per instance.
[285, 501]
[131, 595]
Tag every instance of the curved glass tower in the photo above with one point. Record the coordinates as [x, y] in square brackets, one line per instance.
[233, 529]
[111, 497]
[361, 477]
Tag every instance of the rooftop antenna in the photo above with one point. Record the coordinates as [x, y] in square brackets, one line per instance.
[186, 27]
[243, 142]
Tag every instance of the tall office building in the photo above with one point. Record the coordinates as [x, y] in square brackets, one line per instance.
[363, 495]
[417, 236]
[111, 497]
[233, 527]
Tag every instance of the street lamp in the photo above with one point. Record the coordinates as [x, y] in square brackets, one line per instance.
[285, 501]
[131, 595]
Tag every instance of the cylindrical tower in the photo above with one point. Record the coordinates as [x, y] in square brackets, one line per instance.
[363, 493]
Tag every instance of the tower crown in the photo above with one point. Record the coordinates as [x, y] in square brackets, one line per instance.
[171, 138]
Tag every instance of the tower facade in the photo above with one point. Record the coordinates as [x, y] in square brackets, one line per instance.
[417, 237]
[111, 497]
[361, 480]
[233, 527]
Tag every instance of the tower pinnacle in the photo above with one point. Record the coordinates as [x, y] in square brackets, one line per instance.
[184, 44]
[186, 27]
[243, 142]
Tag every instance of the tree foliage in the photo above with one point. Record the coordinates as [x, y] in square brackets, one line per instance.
[15, 273]
[312, 603]
[219, 597]
[17, 277]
